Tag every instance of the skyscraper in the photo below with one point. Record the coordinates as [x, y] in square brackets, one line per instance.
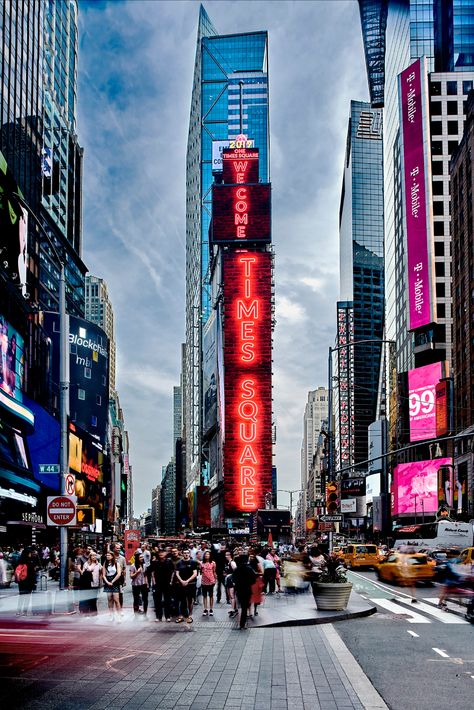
[315, 413]
[99, 310]
[38, 139]
[229, 97]
[362, 266]
[395, 33]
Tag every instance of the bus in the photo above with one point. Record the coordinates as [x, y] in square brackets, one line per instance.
[439, 534]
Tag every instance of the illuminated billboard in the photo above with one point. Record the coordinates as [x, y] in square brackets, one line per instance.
[240, 165]
[12, 360]
[344, 439]
[241, 213]
[417, 194]
[422, 383]
[415, 487]
[247, 449]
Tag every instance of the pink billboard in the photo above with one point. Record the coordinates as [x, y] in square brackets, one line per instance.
[417, 196]
[415, 487]
[422, 400]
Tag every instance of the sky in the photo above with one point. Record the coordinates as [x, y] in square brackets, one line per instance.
[136, 63]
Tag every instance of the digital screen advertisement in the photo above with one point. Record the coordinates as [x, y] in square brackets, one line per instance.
[240, 165]
[415, 487]
[241, 213]
[247, 454]
[12, 360]
[417, 195]
[422, 383]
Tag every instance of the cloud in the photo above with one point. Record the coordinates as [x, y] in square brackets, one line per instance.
[136, 64]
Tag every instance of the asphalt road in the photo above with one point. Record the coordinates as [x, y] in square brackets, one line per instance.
[415, 655]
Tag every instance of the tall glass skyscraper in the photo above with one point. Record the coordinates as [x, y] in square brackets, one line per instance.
[362, 264]
[229, 97]
[396, 33]
[38, 45]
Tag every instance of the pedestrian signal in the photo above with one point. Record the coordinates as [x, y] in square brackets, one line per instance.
[332, 497]
[85, 515]
[311, 524]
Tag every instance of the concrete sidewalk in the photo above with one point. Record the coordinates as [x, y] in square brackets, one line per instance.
[276, 610]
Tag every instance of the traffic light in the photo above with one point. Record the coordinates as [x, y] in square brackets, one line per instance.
[85, 515]
[311, 524]
[332, 497]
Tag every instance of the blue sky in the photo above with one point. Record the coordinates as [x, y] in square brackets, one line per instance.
[136, 62]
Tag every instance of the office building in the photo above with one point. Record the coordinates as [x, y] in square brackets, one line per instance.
[156, 510]
[395, 34]
[229, 97]
[99, 310]
[462, 229]
[315, 412]
[38, 139]
[361, 277]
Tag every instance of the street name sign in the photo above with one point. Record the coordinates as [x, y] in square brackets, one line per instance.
[336, 518]
[49, 468]
[61, 510]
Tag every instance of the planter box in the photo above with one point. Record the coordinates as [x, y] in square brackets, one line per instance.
[332, 596]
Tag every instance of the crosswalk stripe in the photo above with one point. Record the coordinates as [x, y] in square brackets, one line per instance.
[396, 609]
[439, 614]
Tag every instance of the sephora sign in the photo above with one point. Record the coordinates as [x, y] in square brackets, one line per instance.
[247, 449]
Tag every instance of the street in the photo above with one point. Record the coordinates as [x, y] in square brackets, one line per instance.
[415, 654]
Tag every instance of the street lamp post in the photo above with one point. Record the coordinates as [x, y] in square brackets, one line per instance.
[291, 493]
[63, 383]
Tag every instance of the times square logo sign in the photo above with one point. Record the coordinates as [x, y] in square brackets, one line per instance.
[247, 387]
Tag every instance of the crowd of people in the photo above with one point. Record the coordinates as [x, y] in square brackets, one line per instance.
[177, 579]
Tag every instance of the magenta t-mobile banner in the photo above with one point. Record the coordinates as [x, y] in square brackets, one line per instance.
[417, 227]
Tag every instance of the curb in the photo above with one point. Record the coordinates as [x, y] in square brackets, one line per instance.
[312, 621]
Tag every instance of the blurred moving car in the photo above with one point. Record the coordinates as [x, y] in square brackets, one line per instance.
[438, 560]
[406, 568]
[466, 556]
[360, 556]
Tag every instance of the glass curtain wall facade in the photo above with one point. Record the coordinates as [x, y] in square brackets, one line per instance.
[441, 30]
[230, 96]
[38, 121]
[362, 260]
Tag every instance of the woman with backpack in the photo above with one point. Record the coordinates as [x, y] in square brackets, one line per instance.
[25, 577]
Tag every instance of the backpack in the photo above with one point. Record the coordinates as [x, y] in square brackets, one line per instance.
[21, 573]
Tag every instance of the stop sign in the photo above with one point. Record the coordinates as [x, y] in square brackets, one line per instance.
[61, 510]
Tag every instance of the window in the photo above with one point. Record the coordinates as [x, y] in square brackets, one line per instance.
[439, 268]
[81, 394]
[98, 398]
[73, 349]
[435, 87]
[441, 310]
[438, 187]
[439, 232]
[451, 88]
[439, 246]
[453, 128]
[438, 208]
[435, 108]
[93, 421]
[87, 373]
[452, 108]
[440, 290]
[104, 380]
[437, 147]
[466, 87]
[436, 128]
[437, 167]
[452, 147]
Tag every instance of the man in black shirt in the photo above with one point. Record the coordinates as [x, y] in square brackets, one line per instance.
[160, 573]
[243, 578]
[186, 573]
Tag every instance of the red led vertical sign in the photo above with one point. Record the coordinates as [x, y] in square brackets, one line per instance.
[247, 451]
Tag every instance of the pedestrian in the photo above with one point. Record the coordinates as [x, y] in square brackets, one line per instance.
[25, 577]
[111, 573]
[175, 557]
[219, 557]
[229, 568]
[208, 580]
[244, 578]
[120, 562]
[186, 573]
[269, 574]
[3, 571]
[256, 563]
[139, 584]
[91, 571]
[161, 572]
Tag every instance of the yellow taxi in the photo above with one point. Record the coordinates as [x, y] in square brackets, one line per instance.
[405, 568]
[467, 556]
[356, 555]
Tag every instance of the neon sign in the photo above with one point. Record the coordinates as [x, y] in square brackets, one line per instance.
[239, 166]
[247, 450]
